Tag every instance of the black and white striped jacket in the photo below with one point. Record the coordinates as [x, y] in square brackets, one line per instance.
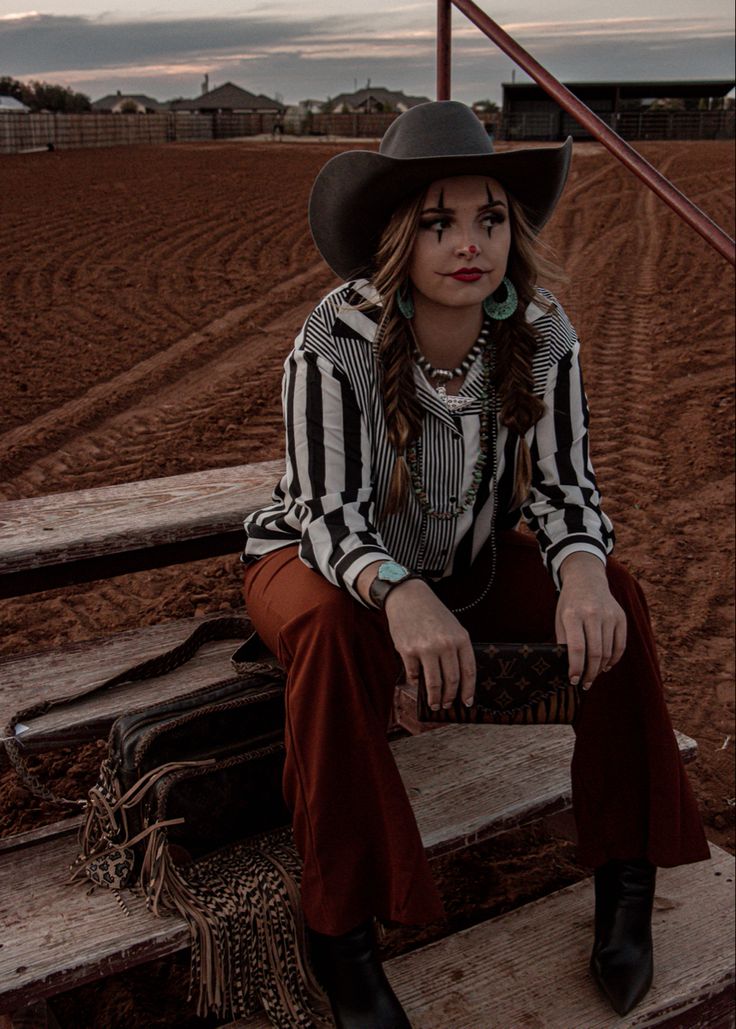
[339, 463]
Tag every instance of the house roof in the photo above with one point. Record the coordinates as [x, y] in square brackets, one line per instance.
[228, 96]
[380, 93]
[9, 103]
[628, 90]
[106, 103]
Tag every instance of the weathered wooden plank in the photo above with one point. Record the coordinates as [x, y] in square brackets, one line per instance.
[446, 774]
[529, 968]
[449, 771]
[32, 837]
[65, 526]
[54, 936]
[60, 672]
[69, 537]
[108, 566]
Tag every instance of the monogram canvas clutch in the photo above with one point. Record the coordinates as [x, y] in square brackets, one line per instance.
[516, 684]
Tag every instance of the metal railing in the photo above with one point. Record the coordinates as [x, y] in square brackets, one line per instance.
[680, 204]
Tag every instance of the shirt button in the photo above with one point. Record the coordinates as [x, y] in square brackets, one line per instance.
[453, 500]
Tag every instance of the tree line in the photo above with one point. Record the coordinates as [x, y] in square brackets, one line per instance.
[44, 96]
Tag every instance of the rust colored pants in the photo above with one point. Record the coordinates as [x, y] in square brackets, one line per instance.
[353, 824]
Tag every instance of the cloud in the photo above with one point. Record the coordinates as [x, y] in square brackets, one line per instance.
[324, 56]
[56, 43]
[693, 27]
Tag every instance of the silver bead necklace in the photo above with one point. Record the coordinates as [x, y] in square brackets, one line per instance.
[453, 402]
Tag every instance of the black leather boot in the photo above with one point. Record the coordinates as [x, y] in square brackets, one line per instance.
[351, 974]
[622, 962]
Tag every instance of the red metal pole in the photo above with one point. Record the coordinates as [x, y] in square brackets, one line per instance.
[444, 44]
[664, 189]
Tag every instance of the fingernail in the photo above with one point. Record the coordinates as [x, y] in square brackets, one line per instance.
[469, 703]
[574, 679]
[587, 685]
[435, 707]
[447, 704]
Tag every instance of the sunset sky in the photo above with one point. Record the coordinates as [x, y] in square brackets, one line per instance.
[296, 50]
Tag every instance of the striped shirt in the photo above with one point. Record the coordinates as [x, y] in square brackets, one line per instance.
[339, 461]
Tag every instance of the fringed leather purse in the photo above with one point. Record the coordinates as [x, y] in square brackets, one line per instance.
[189, 812]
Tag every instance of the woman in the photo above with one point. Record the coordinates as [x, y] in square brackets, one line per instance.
[430, 402]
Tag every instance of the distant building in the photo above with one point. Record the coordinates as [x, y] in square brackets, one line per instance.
[230, 99]
[308, 106]
[122, 103]
[636, 110]
[374, 100]
[9, 105]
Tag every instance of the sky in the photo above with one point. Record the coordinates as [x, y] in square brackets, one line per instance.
[293, 50]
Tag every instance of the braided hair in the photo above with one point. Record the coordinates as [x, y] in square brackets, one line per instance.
[516, 343]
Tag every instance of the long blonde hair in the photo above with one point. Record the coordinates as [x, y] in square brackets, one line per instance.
[516, 342]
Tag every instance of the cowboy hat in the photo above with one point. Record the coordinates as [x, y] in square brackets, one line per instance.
[355, 192]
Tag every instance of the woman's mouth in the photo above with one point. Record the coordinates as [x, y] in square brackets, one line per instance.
[467, 275]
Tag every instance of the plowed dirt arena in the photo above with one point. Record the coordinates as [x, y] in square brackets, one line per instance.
[149, 296]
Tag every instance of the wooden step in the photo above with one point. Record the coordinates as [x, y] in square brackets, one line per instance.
[48, 674]
[105, 531]
[470, 782]
[529, 968]
[446, 774]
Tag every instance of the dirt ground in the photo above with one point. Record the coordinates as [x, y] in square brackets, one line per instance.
[148, 297]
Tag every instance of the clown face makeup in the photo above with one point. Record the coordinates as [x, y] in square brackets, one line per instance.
[462, 244]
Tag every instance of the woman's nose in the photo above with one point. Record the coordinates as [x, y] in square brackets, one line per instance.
[470, 249]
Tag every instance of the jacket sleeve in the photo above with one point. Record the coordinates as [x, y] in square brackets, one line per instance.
[563, 507]
[328, 470]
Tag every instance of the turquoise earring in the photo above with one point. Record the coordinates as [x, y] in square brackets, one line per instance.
[501, 309]
[405, 302]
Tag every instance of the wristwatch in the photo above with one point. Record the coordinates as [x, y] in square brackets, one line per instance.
[389, 574]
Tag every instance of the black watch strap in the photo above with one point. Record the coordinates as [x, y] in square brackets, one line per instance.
[379, 589]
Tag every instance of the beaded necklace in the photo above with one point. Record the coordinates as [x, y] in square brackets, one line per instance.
[487, 421]
[452, 402]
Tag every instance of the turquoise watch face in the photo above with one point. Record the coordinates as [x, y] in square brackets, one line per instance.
[391, 571]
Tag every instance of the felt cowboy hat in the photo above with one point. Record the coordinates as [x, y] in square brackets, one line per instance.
[355, 192]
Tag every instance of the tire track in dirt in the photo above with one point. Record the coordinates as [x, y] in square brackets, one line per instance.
[631, 462]
[149, 243]
[232, 403]
[171, 390]
[659, 437]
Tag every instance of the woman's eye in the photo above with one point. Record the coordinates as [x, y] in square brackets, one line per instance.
[494, 219]
[438, 225]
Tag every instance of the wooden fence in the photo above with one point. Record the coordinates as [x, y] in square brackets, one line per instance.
[555, 125]
[26, 132]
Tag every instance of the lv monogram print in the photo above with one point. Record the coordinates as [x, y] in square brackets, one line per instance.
[516, 684]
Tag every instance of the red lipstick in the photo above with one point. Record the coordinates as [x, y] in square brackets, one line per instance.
[467, 274]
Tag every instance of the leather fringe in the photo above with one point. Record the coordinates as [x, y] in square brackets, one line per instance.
[242, 906]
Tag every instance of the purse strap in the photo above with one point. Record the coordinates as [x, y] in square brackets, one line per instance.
[215, 629]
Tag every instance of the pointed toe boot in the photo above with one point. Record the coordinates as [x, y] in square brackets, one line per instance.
[622, 957]
[350, 972]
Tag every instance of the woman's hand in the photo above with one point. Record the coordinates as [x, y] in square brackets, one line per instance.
[429, 638]
[588, 618]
